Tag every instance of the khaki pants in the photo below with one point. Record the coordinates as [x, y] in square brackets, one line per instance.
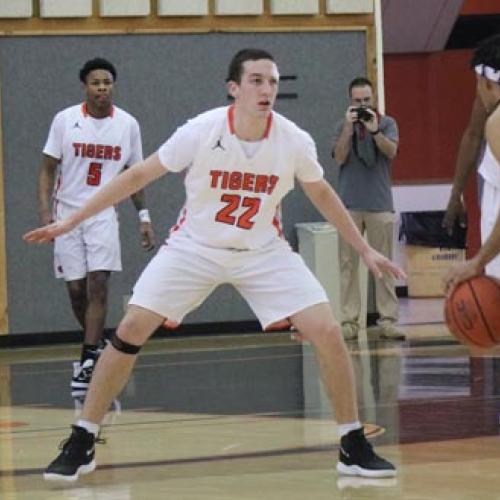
[379, 227]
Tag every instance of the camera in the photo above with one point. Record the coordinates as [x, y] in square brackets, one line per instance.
[363, 114]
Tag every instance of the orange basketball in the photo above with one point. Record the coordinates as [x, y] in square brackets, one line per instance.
[472, 312]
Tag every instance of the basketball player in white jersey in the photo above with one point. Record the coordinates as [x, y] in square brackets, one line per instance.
[486, 63]
[88, 145]
[240, 162]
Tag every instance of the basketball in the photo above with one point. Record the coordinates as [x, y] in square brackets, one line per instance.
[472, 312]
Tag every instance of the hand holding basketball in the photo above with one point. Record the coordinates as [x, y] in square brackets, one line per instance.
[461, 272]
[472, 311]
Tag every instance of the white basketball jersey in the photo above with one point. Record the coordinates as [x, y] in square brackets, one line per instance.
[233, 200]
[90, 151]
[490, 168]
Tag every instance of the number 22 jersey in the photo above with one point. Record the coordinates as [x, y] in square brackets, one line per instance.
[233, 198]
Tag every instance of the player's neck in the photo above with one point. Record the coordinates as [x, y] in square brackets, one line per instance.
[250, 128]
[98, 112]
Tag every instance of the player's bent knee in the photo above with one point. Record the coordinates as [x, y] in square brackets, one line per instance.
[329, 333]
[125, 347]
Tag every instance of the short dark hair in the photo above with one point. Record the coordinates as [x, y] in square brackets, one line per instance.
[488, 53]
[360, 81]
[236, 65]
[96, 63]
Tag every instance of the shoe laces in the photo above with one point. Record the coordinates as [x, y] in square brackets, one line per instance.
[65, 443]
[70, 446]
[73, 444]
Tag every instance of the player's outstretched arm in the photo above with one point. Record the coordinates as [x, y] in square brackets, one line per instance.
[331, 207]
[122, 186]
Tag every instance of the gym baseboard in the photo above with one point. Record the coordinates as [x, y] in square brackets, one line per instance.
[75, 337]
[185, 330]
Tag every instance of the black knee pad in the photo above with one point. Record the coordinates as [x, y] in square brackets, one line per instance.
[124, 347]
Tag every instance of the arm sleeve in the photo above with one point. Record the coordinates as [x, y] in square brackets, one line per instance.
[179, 150]
[307, 167]
[389, 128]
[53, 146]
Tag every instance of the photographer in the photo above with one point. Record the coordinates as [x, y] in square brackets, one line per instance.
[364, 144]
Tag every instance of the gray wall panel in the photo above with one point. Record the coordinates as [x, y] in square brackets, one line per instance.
[162, 80]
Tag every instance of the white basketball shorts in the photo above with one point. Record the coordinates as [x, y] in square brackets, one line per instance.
[490, 208]
[92, 246]
[274, 281]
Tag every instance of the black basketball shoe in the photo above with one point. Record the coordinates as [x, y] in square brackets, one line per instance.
[82, 373]
[76, 457]
[357, 458]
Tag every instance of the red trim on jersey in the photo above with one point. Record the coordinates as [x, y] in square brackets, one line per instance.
[230, 118]
[85, 110]
[277, 223]
[180, 221]
[268, 126]
[56, 189]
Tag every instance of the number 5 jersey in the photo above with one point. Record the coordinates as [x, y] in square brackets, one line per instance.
[91, 151]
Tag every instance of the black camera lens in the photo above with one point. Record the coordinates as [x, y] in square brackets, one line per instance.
[363, 114]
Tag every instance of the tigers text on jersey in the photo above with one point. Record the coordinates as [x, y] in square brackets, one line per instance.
[90, 151]
[233, 197]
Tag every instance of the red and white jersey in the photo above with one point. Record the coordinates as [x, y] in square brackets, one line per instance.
[233, 200]
[90, 151]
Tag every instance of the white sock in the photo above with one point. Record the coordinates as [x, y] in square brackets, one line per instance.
[89, 426]
[346, 428]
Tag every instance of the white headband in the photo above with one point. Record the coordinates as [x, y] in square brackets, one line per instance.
[488, 72]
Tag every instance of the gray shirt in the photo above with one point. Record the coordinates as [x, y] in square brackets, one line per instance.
[365, 176]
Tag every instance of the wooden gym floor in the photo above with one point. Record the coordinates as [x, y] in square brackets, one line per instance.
[241, 417]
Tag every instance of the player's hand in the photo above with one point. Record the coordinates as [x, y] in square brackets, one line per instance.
[460, 272]
[147, 236]
[46, 234]
[378, 264]
[454, 211]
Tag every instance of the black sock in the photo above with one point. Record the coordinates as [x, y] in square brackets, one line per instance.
[88, 352]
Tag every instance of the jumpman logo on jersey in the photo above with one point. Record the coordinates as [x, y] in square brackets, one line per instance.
[218, 144]
[77, 125]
